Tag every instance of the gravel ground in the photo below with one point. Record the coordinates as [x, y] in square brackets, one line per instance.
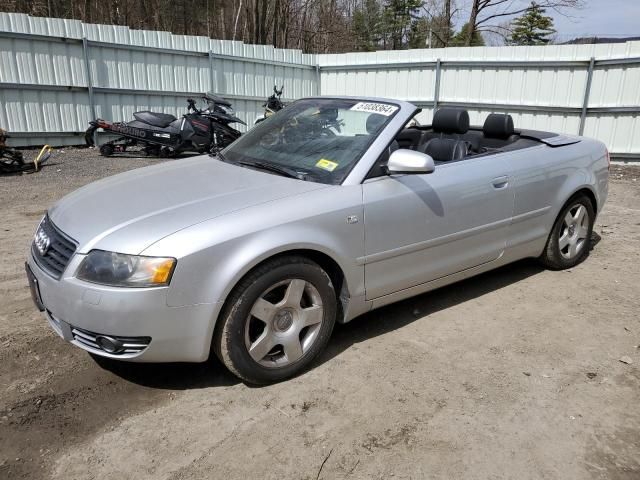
[512, 374]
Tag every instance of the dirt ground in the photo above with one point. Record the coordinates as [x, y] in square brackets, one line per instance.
[514, 374]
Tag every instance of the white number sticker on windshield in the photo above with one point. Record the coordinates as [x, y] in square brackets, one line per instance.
[371, 107]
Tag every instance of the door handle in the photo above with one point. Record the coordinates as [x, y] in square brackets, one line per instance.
[500, 182]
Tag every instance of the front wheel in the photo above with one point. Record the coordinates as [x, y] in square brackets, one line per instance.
[570, 239]
[276, 321]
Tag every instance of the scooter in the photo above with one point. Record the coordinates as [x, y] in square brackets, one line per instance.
[274, 104]
[12, 161]
[163, 135]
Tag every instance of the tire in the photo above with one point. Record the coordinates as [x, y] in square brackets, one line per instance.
[296, 302]
[570, 239]
[106, 150]
[166, 152]
[151, 151]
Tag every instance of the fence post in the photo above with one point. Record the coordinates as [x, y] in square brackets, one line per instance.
[585, 101]
[87, 68]
[211, 72]
[318, 80]
[436, 93]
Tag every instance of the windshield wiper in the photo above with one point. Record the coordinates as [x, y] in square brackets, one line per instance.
[270, 167]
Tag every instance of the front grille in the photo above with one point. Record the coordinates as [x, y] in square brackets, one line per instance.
[129, 344]
[59, 250]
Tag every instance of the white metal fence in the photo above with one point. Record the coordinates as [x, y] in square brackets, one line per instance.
[55, 75]
[579, 89]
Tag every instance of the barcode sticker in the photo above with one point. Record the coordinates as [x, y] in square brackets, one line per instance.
[373, 107]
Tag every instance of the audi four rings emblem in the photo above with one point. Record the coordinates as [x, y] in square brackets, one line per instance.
[42, 241]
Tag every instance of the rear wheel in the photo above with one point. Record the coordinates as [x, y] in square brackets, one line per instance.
[167, 152]
[106, 150]
[570, 239]
[276, 321]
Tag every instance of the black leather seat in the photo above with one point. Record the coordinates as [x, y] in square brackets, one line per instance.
[448, 124]
[374, 123]
[446, 149]
[217, 100]
[498, 125]
[498, 131]
[410, 138]
[156, 119]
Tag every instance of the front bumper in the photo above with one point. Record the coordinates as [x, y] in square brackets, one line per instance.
[80, 312]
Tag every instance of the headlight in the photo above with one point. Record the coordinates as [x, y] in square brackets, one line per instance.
[120, 270]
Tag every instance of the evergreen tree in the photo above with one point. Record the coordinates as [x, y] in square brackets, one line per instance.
[419, 33]
[532, 28]
[366, 25]
[442, 31]
[398, 16]
[460, 39]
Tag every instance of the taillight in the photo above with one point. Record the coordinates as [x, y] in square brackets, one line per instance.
[606, 152]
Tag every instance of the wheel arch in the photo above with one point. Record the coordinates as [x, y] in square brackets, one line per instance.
[326, 261]
[565, 198]
[589, 193]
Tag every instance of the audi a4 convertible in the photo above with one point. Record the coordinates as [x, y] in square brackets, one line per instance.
[326, 210]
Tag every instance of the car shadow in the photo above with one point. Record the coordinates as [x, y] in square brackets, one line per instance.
[170, 376]
[183, 376]
[397, 315]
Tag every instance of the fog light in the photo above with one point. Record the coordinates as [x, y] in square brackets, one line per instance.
[108, 344]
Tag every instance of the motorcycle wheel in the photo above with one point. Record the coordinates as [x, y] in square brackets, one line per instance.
[166, 152]
[152, 151]
[106, 150]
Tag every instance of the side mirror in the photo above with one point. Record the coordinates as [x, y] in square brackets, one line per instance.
[409, 162]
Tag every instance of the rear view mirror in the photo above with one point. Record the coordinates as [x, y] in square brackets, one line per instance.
[409, 162]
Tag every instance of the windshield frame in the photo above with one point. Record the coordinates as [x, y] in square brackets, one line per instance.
[374, 144]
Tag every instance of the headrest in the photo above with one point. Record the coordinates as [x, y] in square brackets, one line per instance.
[374, 121]
[450, 120]
[498, 125]
[410, 134]
[329, 114]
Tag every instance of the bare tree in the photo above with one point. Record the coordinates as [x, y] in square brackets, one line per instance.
[485, 14]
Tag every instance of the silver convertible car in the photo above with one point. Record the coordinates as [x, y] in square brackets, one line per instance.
[325, 211]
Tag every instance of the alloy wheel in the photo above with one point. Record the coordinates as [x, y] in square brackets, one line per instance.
[574, 231]
[284, 323]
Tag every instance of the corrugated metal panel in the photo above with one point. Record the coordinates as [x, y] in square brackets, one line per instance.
[539, 95]
[50, 81]
[45, 80]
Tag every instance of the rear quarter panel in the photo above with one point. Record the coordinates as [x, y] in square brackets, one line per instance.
[543, 179]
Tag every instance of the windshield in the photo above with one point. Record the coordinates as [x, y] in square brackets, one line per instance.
[315, 139]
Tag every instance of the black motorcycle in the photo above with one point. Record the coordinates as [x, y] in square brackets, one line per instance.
[163, 135]
[274, 104]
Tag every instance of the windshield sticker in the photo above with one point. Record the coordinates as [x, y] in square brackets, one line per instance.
[325, 164]
[372, 107]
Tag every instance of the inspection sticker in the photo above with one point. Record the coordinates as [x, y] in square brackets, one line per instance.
[372, 107]
[325, 164]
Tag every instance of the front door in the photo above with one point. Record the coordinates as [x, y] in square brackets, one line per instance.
[420, 228]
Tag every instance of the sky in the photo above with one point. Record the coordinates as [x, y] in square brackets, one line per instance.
[596, 18]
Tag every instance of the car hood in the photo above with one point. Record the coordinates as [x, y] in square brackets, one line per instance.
[128, 212]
